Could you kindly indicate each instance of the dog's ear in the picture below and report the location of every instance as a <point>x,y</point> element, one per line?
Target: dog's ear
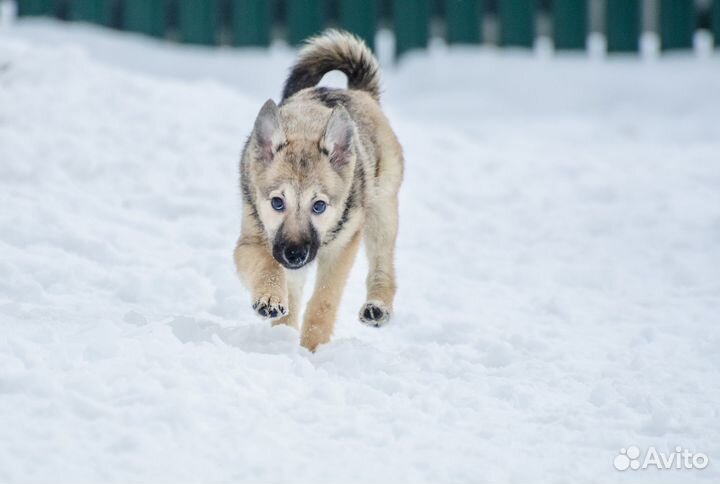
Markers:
<point>268,132</point>
<point>338,138</point>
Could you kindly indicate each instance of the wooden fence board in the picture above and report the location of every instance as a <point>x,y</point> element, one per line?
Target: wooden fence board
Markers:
<point>36,7</point>
<point>197,21</point>
<point>622,25</point>
<point>677,24</point>
<point>411,20</point>
<point>304,18</point>
<point>94,11</point>
<point>570,24</point>
<point>145,16</point>
<point>464,21</point>
<point>251,22</point>
<point>517,22</point>
<point>716,22</point>
<point>360,18</point>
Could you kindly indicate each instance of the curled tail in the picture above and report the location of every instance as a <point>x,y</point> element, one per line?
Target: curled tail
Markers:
<point>335,50</point>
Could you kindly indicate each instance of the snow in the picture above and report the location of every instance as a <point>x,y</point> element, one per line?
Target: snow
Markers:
<point>558,266</point>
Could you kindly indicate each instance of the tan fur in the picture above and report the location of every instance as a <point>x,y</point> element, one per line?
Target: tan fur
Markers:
<point>333,269</point>
<point>296,154</point>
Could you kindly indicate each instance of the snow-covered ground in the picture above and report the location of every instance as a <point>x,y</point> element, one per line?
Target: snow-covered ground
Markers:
<point>558,260</point>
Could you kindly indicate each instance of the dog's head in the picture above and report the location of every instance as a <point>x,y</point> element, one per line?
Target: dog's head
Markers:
<point>301,172</point>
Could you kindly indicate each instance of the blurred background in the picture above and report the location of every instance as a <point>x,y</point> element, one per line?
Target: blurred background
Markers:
<point>617,25</point>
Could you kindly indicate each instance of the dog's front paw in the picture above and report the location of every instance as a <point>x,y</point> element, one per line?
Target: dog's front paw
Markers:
<point>374,313</point>
<point>270,307</point>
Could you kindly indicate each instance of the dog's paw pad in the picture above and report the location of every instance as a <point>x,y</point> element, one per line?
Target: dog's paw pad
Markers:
<point>269,307</point>
<point>374,313</point>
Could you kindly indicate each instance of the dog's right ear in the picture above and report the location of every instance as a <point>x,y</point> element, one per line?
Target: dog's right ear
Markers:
<point>268,132</point>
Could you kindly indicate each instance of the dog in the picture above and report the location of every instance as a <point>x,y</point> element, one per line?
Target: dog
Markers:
<point>319,172</point>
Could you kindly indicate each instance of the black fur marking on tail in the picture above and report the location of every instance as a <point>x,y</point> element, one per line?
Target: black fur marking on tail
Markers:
<point>359,75</point>
<point>330,52</point>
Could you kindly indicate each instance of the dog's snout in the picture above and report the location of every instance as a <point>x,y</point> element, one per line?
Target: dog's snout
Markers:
<point>296,255</point>
<point>293,250</point>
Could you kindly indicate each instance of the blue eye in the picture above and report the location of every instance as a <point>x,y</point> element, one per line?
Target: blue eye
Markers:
<point>319,206</point>
<point>277,203</point>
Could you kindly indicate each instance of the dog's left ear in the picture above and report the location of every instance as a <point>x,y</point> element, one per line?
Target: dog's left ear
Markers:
<point>338,138</point>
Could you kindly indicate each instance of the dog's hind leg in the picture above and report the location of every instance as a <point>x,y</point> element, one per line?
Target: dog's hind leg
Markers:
<point>333,269</point>
<point>381,228</point>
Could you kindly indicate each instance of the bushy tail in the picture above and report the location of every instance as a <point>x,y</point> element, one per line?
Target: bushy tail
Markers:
<point>335,50</point>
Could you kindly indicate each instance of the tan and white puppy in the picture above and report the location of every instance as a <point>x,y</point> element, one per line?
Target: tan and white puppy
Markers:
<point>319,172</point>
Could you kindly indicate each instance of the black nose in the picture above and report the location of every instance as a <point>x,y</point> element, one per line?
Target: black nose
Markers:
<point>296,255</point>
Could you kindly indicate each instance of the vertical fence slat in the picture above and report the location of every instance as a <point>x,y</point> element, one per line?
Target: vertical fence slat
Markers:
<point>411,19</point>
<point>622,25</point>
<point>517,22</point>
<point>251,22</point>
<point>95,11</point>
<point>677,24</point>
<point>569,24</point>
<point>716,22</point>
<point>36,7</point>
<point>304,18</point>
<point>359,17</point>
<point>145,16</point>
<point>463,20</point>
<point>197,21</point>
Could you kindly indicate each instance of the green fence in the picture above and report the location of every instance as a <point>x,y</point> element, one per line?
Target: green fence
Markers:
<point>258,22</point>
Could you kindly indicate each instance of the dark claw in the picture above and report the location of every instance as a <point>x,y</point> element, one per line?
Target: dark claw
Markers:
<point>263,311</point>
<point>373,313</point>
<point>273,313</point>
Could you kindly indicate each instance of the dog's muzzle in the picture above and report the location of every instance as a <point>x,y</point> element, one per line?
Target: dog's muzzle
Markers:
<point>295,256</point>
